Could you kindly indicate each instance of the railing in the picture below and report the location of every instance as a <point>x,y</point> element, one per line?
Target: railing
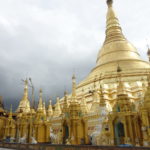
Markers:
<point>64,147</point>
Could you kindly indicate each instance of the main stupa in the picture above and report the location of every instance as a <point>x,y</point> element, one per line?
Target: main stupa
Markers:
<point>116,51</point>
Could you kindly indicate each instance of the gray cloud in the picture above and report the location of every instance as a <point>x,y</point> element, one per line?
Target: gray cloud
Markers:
<point>49,39</point>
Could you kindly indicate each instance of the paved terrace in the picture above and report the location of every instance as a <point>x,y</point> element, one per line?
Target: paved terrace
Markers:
<point>64,147</point>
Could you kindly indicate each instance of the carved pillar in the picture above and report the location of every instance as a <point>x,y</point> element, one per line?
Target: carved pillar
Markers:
<point>126,131</point>
<point>112,132</point>
<point>131,130</point>
<point>145,125</point>
<point>47,132</point>
<point>137,141</point>
<point>86,131</point>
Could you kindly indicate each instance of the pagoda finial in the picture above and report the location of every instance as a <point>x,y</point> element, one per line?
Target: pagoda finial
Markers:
<point>50,102</point>
<point>73,85</point>
<point>57,99</point>
<point>65,97</point>
<point>109,3</point>
<point>73,77</point>
<point>25,88</point>
<point>50,109</point>
<point>65,93</point>
<point>40,92</point>
<point>24,105</point>
<point>40,105</point>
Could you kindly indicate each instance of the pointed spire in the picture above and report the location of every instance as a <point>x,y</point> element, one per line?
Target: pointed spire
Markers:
<point>24,105</point>
<point>65,98</point>
<point>73,85</point>
<point>40,105</point>
<point>50,109</point>
<point>65,105</point>
<point>57,111</point>
<point>44,108</point>
<point>116,48</point>
<point>113,28</point>
<point>50,102</point>
<point>25,95</point>
<point>40,93</point>
<point>109,3</point>
<point>120,87</point>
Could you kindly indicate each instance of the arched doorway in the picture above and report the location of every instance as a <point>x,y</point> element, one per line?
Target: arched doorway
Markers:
<point>65,133</point>
<point>119,133</point>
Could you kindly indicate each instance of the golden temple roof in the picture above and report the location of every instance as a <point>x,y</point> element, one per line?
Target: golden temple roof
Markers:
<point>116,49</point>
<point>40,104</point>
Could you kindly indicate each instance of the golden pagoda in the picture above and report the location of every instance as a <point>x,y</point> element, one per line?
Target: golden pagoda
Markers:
<point>111,106</point>
<point>24,105</point>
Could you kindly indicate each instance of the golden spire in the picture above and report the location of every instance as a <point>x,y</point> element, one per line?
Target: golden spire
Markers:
<point>73,88</point>
<point>116,47</point>
<point>25,95</point>
<point>65,106</point>
<point>50,103</point>
<point>24,105</point>
<point>57,111</point>
<point>40,105</point>
<point>65,98</point>
<point>120,87</point>
<point>50,109</point>
<point>113,29</point>
<point>44,108</point>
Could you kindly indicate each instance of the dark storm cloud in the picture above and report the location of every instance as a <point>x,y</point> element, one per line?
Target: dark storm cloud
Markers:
<point>48,40</point>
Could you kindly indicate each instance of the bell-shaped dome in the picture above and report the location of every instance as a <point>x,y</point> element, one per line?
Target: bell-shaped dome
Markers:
<point>115,50</point>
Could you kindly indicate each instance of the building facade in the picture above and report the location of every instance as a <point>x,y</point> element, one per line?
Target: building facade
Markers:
<point>110,107</point>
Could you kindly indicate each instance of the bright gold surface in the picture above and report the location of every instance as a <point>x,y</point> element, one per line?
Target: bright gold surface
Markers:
<point>111,106</point>
<point>116,50</point>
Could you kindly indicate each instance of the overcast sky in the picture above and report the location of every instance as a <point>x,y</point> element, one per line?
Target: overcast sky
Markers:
<point>48,40</point>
